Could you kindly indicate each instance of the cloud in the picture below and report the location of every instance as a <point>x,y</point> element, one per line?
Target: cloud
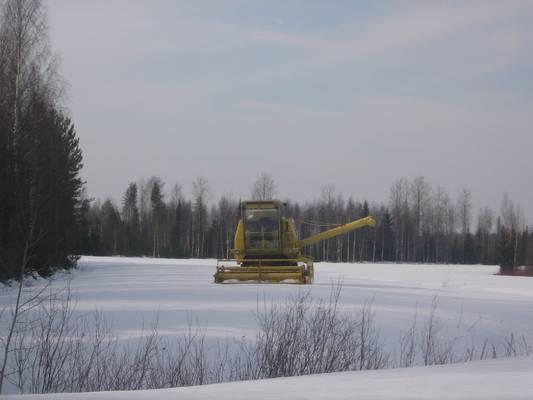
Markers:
<point>471,26</point>
<point>182,89</point>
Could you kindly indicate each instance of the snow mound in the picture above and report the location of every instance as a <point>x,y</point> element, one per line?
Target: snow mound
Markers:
<point>491,379</point>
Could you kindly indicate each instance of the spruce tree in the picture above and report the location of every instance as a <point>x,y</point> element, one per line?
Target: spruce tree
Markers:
<point>130,217</point>
<point>156,201</point>
<point>505,250</point>
<point>387,238</point>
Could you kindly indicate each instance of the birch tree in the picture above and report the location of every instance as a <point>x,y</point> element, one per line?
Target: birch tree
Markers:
<point>464,214</point>
<point>399,206</point>
<point>419,194</point>
<point>264,188</point>
<point>200,191</point>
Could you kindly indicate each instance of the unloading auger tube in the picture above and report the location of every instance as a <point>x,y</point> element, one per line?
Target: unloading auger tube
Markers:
<point>267,247</point>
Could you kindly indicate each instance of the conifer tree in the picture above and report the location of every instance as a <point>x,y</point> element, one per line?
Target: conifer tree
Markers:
<point>130,218</point>
<point>156,201</point>
<point>505,249</point>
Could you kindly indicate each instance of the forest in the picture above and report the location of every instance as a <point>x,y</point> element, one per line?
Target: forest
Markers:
<point>418,223</point>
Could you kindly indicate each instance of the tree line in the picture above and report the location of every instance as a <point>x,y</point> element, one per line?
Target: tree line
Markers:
<point>419,223</point>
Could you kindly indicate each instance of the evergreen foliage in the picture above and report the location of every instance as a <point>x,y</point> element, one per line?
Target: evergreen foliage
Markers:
<point>41,211</point>
<point>505,251</point>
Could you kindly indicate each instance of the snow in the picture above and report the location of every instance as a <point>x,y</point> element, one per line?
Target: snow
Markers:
<point>495,379</point>
<point>472,303</point>
<point>130,291</point>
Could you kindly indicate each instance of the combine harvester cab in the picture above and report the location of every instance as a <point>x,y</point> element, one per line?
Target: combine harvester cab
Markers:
<point>267,248</point>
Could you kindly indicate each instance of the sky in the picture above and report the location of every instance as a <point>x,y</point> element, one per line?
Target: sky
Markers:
<point>355,94</point>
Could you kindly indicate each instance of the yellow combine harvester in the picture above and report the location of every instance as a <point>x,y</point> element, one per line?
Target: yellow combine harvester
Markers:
<point>267,247</point>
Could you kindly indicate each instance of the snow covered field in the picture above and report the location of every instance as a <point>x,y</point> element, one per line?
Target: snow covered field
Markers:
<point>472,304</point>
<point>130,291</point>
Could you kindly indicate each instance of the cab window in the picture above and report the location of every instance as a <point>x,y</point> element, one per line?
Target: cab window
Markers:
<point>261,227</point>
